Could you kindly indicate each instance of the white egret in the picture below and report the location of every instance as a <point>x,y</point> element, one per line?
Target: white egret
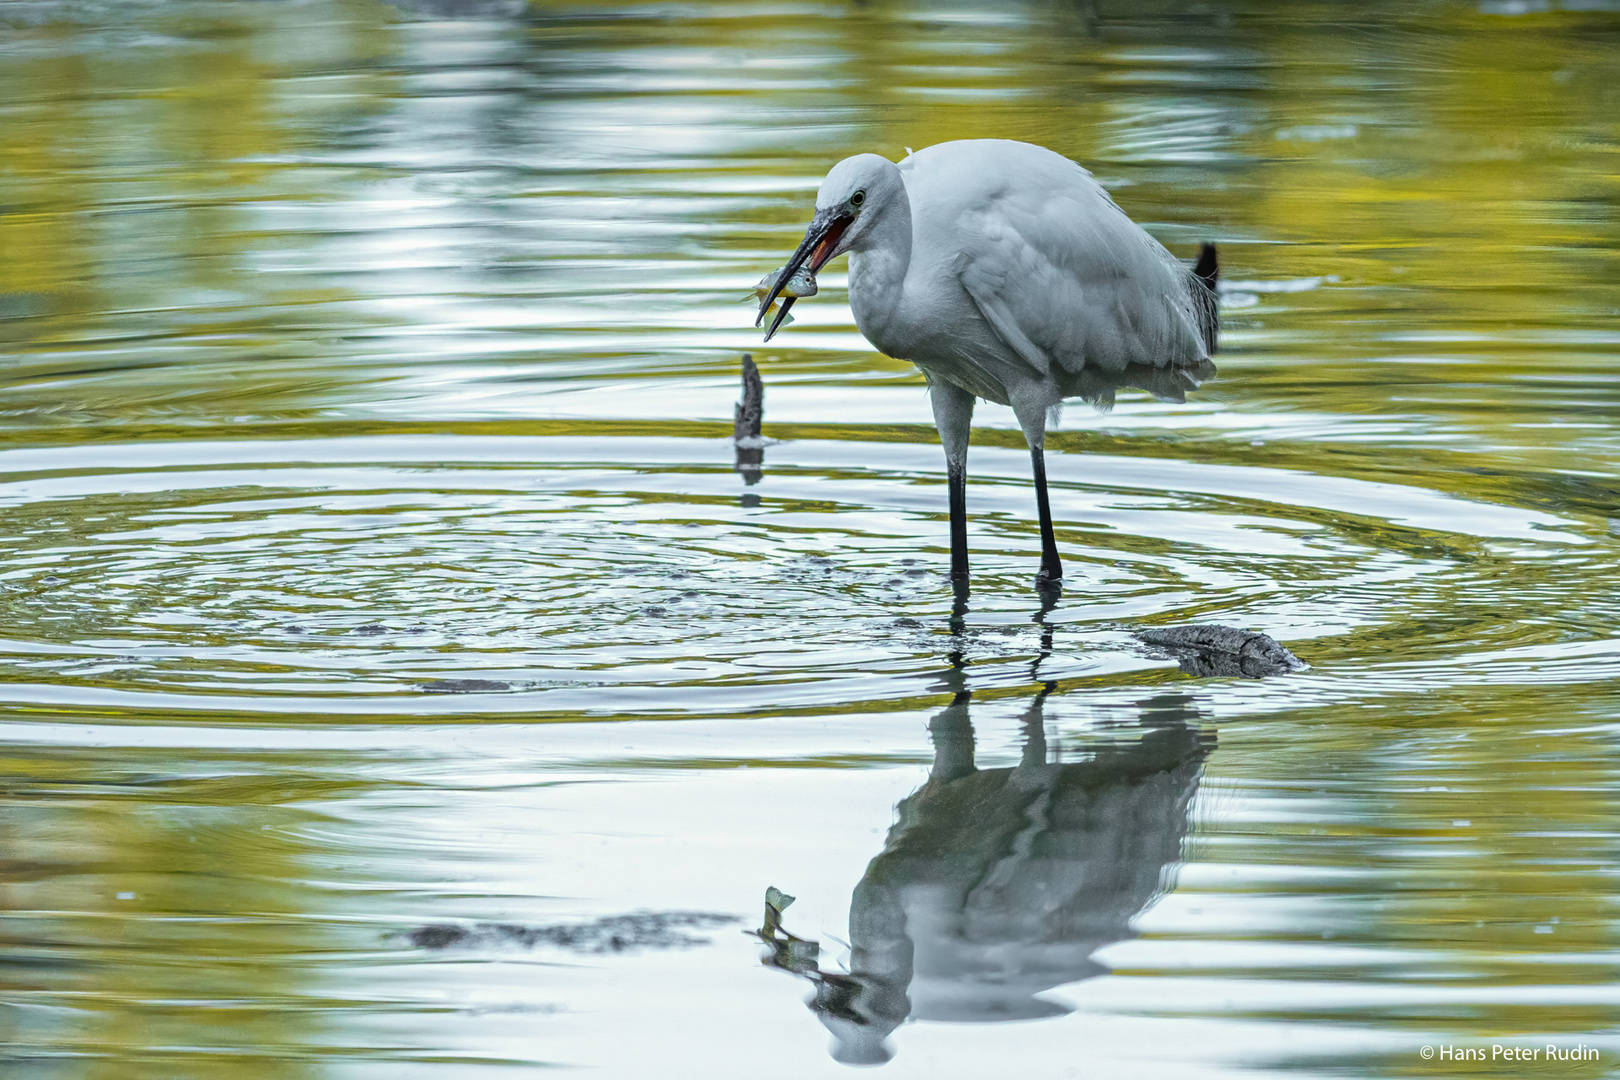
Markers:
<point>1004,271</point>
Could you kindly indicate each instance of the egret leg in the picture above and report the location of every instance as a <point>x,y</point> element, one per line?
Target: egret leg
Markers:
<point>1031,411</point>
<point>953,416</point>
<point>1051,565</point>
<point>956,473</point>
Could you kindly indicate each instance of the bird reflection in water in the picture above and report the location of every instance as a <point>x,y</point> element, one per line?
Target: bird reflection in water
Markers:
<point>995,885</point>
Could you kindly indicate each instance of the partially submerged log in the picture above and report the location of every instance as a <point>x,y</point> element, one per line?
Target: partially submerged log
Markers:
<point>1210,649</point>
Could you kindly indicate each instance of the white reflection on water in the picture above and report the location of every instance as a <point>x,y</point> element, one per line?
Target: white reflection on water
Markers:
<point>995,886</point>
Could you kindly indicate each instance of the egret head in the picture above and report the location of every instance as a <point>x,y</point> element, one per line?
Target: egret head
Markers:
<point>855,194</point>
<point>852,198</point>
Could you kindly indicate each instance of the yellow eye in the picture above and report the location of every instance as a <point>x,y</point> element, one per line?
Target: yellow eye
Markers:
<point>857,198</point>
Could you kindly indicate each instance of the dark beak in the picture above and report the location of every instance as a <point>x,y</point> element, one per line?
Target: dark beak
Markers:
<point>781,313</point>
<point>825,230</point>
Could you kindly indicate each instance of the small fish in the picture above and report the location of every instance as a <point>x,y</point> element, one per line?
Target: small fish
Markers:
<point>800,284</point>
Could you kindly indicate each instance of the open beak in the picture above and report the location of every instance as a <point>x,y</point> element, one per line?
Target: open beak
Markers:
<point>820,241</point>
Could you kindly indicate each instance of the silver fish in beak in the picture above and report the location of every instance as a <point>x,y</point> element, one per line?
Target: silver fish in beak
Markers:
<point>820,241</point>
<point>800,284</point>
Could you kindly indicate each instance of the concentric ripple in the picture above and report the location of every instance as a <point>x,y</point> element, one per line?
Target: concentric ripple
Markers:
<point>437,575</point>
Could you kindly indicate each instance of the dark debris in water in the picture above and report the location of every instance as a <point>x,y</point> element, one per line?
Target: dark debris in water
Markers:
<point>463,686</point>
<point>1209,649</point>
<point>615,933</point>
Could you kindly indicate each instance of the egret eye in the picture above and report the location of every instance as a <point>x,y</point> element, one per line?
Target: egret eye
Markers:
<point>857,198</point>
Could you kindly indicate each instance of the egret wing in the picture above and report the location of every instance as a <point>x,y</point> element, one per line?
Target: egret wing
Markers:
<point>1000,274</point>
<point>1068,281</point>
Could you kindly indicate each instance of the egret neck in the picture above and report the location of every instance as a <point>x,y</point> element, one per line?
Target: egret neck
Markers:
<point>879,259</point>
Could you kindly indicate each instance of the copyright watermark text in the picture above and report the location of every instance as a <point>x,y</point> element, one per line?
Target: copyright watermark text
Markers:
<point>1501,1053</point>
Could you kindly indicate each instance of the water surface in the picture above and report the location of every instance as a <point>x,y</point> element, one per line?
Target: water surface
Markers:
<point>375,558</point>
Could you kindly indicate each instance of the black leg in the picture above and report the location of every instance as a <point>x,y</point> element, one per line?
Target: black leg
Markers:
<point>1051,565</point>
<point>959,550</point>
<point>953,416</point>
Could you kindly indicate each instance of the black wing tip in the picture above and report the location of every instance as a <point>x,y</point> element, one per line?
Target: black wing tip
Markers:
<point>1208,267</point>
<point>1208,271</point>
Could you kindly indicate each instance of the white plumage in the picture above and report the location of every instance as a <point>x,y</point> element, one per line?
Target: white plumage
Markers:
<point>1004,271</point>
